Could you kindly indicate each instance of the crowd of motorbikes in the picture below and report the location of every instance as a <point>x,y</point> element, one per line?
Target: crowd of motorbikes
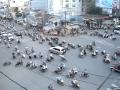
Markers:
<point>30,53</point>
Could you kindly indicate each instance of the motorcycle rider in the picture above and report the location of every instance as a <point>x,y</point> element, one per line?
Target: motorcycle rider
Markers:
<point>60,80</point>
<point>85,73</point>
<point>51,87</point>
<point>72,72</point>
<point>62,66</point>
<point>75,83</point>
<point>103,52</point>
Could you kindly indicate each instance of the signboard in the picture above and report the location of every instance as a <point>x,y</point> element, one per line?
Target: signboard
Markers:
<point>104,3</point>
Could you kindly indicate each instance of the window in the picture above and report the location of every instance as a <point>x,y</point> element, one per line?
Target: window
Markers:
<point>67,0</point>
<point>66,5</point>
<point>73,0</point>
<point>73,5</point>
<point>13,1</point>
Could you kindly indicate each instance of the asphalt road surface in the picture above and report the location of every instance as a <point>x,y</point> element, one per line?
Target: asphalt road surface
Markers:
<point>22,78</point>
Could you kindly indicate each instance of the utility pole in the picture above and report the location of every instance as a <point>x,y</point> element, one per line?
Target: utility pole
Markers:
<point>65,17</point>
<point>29,6</point>
<point>8,9</point>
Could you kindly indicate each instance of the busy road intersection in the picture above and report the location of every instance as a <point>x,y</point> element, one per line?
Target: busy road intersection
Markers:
<point>16,54</point>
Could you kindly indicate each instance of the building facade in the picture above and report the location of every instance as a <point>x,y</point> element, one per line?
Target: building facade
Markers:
<point>39,4</point>
<point>116,11</point>
<point>11,5</point>
<point>71,6</point>
<point>86,5</point>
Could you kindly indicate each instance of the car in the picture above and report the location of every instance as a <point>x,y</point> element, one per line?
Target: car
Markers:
<point>10,37</point>
<point>116,30</point>
<point>57,50</point>
<point>18,33</point>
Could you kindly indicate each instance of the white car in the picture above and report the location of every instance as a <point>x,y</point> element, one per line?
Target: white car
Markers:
<point>57,50</point>
<point>10,37</point>
<point>117,29</point>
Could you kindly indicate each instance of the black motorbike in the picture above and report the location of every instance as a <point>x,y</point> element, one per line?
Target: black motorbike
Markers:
<point>58,70</point>
<point>6,63</point>
<point>19,63</point>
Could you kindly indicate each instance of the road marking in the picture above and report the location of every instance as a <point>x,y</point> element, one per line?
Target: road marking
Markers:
<point>13,81</point>
<point>100,86</point>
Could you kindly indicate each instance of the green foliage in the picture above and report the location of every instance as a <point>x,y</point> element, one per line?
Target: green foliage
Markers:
<point>105,13</point>
<point>94,10</point>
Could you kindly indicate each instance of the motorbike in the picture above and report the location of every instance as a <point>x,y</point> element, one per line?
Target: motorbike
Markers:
<point>43,68</point>
<point>107,58</point>
<point>60,81</point>
<point>51,87</point>
<point>78,45</point>
<point>81,54</point>
<point>8,46</point>
<point>13,55</point>
<point>72,73</point>
<point>114,57</point>
<point>34,55</point>
<point>75,84</point>
<point>58,70</point>
<point>30,57</point>
<point>71,45</point>
<point>29,64</point>
<point>6,63</point>
<point>19,63</point>
<point>40,55</point>
<point>18,41</point>
<point>23,55</point>
<point>115,67</point>
<point>62,57</point>
<point>18,52</point>
<point>33,66</point>
<point>103,52</point>
<point>94,54</point>
<point>50,58</point>
<point>84,74</point>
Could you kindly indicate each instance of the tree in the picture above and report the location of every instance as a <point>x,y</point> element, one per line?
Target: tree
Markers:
<point>94,10</point>
<point>105,13</point>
